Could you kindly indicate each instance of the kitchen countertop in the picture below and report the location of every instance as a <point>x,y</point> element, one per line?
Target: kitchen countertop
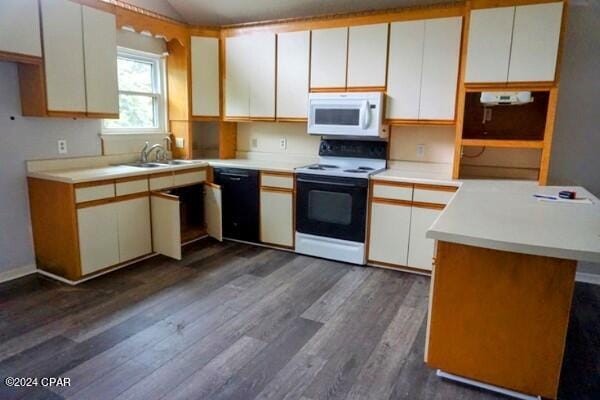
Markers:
<point>78,175</point>
<point>504,215</point>
<point>264,165</point>
<point>418,172</point>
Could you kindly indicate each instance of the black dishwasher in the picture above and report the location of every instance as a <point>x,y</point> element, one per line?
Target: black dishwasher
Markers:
<point>240,197</point>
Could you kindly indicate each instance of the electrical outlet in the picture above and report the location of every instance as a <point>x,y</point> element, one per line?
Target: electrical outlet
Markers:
<point>420,150</point>
<point>179,143</point>
<point>283,143</point>
<point>62,146</point>
<point>254,143</point>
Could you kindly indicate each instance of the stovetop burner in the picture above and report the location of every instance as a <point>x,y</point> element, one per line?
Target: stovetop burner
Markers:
<point>322,166</point>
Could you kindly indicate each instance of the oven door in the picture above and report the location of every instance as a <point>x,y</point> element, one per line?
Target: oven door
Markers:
<point>341,117</point>
<point>334,207</point>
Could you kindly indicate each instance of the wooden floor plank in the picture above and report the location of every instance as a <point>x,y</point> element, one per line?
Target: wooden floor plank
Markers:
<point>257,373</point>
<point>207,380</point>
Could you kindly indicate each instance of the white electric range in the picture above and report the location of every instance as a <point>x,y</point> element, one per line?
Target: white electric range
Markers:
<point>332,197</point>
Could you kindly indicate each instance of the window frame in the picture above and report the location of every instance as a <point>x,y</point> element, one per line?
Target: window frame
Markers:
<point>159,92</point>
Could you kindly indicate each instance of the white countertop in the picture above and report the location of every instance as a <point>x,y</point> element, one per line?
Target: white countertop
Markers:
<point>418,172</point>
<point>78,175</point>
<point>504,215</point>
<point>265,165</point>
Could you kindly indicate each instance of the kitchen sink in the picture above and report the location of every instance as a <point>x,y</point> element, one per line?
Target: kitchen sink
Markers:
<point>144,165</point>
<point>175,162</point>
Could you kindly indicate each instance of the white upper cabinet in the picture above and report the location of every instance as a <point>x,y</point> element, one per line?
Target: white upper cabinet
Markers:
<point>292,74</point>
<point>237,76</point>
<point>20,27</point>
<point>534,49</point>
<point>100,52</point>
<point>488,51</point>
<point>441,55</point>
<point>367,55</point>
<point>250,76</point>
<point>328,58</point>
<point>63,55</point>
<point>405,67</point>
<point>262,81</point>
<point>205,76</point>
<point>514,44</point>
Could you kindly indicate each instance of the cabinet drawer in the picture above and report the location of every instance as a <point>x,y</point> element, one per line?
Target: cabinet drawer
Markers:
<point>161,181</point>
<point>278,181</point>
<point>188,178</point>
<point>439,195</point>
<point>131,186</point>
<point>97,192</point>
<point>395,192</point>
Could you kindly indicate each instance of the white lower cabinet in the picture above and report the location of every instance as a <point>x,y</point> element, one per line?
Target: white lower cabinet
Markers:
<point>277,217</point>
<point>98,239</point>
<point>389,233</point>
<point>421,249</point>
<point>176,218</point>
<point>113,233</point>
<point>135,234</point>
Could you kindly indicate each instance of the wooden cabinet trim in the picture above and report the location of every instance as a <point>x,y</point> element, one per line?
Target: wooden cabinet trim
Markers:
<point>93,183</point>
<point>327,89</point>
<point>20,58</point>
<point>277,173</point>
<point>276,189</point>
<point>290,119</point>
<point>160,174</point>
<point>412,122</point>
<point>433,206</point>
<point>131,178</point>
<point>381,200</point>
<point>397,267</point>
<point>443,188</point>
<point>164,195</point>
<point>365,88</point>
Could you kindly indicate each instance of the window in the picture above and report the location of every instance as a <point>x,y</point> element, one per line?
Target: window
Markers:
<point>141,94</point>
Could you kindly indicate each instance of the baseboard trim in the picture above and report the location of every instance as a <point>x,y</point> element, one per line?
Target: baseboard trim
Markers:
<point>18,272</point>
<point>586,277</point>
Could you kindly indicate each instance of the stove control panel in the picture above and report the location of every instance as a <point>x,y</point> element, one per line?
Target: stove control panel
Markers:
<point>353,148</point>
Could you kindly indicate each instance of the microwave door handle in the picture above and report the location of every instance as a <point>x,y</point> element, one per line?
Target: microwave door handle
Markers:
<point>366,115</point>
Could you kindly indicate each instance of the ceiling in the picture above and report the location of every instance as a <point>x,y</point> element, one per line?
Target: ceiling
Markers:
<point>226,12</point>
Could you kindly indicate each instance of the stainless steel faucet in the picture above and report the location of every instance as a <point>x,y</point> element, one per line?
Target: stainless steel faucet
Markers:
<point>146,151</point>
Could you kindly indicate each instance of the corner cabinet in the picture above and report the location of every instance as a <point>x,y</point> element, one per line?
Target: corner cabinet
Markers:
<point>20,29</point>
<point>79,74</point>
<point>400,215</point>
<point>514,44</point>
<point>277,197</point>
<point>422,70</point>
<point>109,223</point>
<point>250,77</point>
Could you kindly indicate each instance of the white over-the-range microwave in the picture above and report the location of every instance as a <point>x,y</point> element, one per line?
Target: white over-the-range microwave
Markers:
<point>346,114</point>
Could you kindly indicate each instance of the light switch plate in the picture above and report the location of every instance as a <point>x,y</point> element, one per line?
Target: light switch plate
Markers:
<point>283,143</point>
<point>179,142</point>
<point>420,150</point>
<point>62,146</point>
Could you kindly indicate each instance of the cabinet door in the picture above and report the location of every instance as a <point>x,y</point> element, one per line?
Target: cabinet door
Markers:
<point>367,55</point>
<point>420,252</point>
<point>441,54</point>
<point>262,80</point>
<point>536,34</point>
<point>135,234</point>
<point>237,71</point>
<point>488,51</point>
<point>213,211</point>
<point>20,27</point>
<point>328,58</point>
<point>98,237</point>
<point>293,60</point>
<point>405,69</point>
<point>63,55</point>
<point>166,224</point>
<point>205,76</point>
<point>100,49</point>
<point>277,217</point>
<point>389,231</point>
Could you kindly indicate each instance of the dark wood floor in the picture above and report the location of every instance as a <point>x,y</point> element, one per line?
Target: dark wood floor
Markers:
<point>232,321</point>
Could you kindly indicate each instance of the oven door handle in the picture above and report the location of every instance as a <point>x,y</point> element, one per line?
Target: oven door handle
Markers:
<point>328,183</point>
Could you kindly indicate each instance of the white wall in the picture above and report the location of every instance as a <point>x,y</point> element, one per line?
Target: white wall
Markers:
<point>438,141</point>
<point>266,136</point>
<point>576,145</point>
<point>23,139</point>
